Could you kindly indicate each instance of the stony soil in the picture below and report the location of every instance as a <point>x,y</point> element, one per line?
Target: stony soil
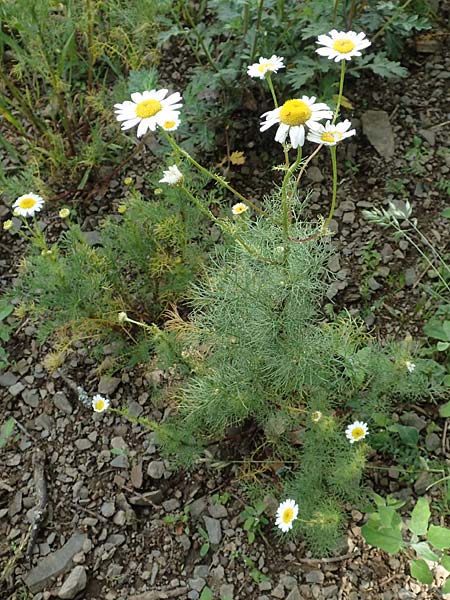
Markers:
<point>104,536</point>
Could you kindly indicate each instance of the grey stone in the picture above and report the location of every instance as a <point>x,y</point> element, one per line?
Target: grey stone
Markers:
<point>7,379</point>
<point>315,577</point>
<point>214,530</point>
<point>330,590</point>
<point>62,403</point>
<point>156,469</point>
<point>116,539</point>
<point>288,581</point>
<point>265,586</point>
<point>135,409</point>
<point>278,592</point>
<point>410,276</point>
<point>119,442</point>
<point>120,462</point>
<point>294,594</point>
<point>432,441</point>
<point>83,444</point>
<point>108,385</point>
<point>201,571</point>
<point>154,595</point>
<point>31,397</point>
<point>54,564</point>
<point>44,421</point>
<point>218,511</point>
<point>198,507</point>
<point>315,175</point>
<point>171,505</point>
<point>378,130</point>
<point>333,263</point>
<point>76,582</point>
<point>198,583</point>
<point>413,420</point>
<point>422,482</point>
<point>227,591</point>
<point>16,389</point>
<point>108,509</point>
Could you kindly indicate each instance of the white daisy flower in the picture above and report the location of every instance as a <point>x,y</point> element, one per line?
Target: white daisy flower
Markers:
<point>100,403</point>
<point>330,134</point>
<point>410,366</point>
<point>122,317</point>
<point>316,416</point>
<point>341,45</point>
<point>287,513</point>
<point>171,124</point>
<point>27,205</point>
<point>172,176</point>
<point>239,208</point>
<point>356,431</point>
<point>265,65</point>
<point>148,110</point>
<point>294,116</point>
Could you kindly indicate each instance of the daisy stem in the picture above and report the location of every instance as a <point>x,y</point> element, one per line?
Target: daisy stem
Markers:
<point>271,88</point>
<point>223,227</point>
<point>285,202</point>
<point>341,87</point>
<point>333,199</point>
<point>217,178</point>
<point>257,28</point>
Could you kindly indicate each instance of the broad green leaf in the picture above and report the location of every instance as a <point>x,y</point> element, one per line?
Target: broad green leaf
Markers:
<point>424,551</point>
<point>5,310</point>
<point>446,213</point>
<point>421,571</point>
<point>446,587</point>
<point>386,515</point>
<point>435,330</point>
<point>408,435</point>
<point>445,562</point>
<point>444,411</point>
<point>6,431</point>
<point>439,537</point>
<point>442,346</point>
<point>206,594</point>
<point>420,517</point>
<point>389,540</point>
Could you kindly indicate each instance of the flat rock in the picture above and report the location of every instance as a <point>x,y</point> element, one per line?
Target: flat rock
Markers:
<point>108,385</point>
<point>62,403</point>
<point>31,397</point>
<point>156,469</point>
<point>54,564</point>
<point>294,594</point>
<point>7,379</point>
<point>154,595</point>
<point>16,388</point>
<point>378,130</point>
<point>214,530</point>
<point>76,582</point>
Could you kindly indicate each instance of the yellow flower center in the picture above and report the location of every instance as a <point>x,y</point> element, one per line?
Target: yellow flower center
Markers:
<point>357,433</point>
<point>327,137</point>
<point>295,112</point>
<point>262,68</point>
<point>343,46</point>
<point>100,404</point>
<point>169,124</point>
<point>240,208</point>
<point>288,515</point>
<point>27,203</point>
<point>148,108</point>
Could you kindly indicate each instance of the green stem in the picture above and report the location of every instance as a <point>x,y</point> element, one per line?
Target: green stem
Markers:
<point>258,25</point>
<point>341,87</point>
<point>285,201</point>
<point>430,245</point>
<point>389,21</point>
<point>222,226</point>
<point>217,178</point>
<point>90,35</point>
<point>199,37</point>
<point>424,256</point>
<point>333,199</point>
<point>271,88</point>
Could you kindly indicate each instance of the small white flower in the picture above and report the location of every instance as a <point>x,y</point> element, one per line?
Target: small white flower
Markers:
<point>122,317</point>
<point>356,431</point>
<point>342,45</point>
<point>287,513</point>
<point>239,208</point>
<point>330,134</point>
<point>172,176</point>
<point>100,403</point>
<point>410,366</point>
<point>7,225</point>
<point>265,65</point>
<point>27,205</point>
<point>148,110</point>
<point>316,416</point>
<point>294,116</point>
<point>64,213</point>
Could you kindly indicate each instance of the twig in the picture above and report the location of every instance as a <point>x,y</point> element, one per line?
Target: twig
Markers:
<point>17,553</point>
<point>89,512</point>
<point>40,486</point>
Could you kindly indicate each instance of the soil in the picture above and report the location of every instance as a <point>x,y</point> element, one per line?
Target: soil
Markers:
<point>105,479</point>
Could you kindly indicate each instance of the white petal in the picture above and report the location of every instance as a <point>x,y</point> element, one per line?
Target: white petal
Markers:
<point>324,51</point>
<point>325,40</point>
<point>160,94</point>
<point>142,128</point>
<point>297,136</point>
<point>137,97</point>
<point>130,123</point>
<point>281,133</point>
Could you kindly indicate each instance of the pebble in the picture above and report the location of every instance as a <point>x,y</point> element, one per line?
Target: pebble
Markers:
<point>108,509</point>
<point>76,582</point>
<point>62,403</point>
<point>315,577</point>
<point>108,385</point>
<point>156,469</point>
<point>294,594</point>
<point>198,583</point>
<point>214,530</point>
<point>432,442</point>
<point>16,389</point>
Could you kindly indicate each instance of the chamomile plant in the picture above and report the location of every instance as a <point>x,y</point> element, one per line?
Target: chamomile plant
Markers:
<point>264,360</point>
